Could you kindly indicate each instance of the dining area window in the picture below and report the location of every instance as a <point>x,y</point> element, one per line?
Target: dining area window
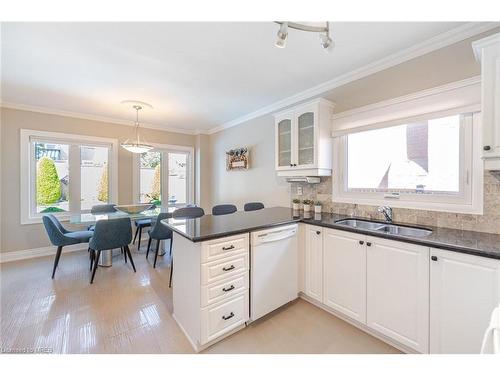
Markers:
<point>65,173</point>
<point>164,176</point>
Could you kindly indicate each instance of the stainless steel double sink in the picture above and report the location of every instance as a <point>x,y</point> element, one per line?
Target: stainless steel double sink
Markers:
<point>385,228</point>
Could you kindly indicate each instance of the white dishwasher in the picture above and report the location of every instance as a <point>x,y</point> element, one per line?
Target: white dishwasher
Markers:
<point>273,280</point>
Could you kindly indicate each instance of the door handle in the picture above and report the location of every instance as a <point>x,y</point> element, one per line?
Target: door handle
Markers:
<point>228,316</point>
<point>228,268</point>
<point>228,247</point>
<point>228,289</point>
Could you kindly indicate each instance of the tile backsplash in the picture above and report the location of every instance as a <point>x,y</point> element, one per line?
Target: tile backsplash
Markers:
<point>488,222</point>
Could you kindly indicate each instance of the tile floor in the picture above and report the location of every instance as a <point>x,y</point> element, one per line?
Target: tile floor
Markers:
<point>123,312</point>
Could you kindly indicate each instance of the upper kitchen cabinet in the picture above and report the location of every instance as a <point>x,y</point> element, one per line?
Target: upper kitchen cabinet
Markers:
<point>303,140</point>
<point>487,51</point>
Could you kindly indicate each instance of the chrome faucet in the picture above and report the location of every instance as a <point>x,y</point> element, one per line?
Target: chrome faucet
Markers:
<point>387,211</point>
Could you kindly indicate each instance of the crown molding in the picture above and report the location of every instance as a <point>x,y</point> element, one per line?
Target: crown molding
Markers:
<point>440,41</point>
<point>86,116</point>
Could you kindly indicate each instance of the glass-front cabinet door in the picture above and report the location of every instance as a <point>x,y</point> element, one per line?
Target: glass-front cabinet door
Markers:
<point>284,142</point>
<point>305,137</point>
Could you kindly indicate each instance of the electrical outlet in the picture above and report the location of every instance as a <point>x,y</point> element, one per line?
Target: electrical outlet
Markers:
<point>299,190</point>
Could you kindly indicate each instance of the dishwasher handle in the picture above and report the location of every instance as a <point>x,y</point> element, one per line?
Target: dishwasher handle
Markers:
<point>278,236</point>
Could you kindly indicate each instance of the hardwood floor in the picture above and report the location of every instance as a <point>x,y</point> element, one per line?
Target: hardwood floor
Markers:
<point>127,312</point>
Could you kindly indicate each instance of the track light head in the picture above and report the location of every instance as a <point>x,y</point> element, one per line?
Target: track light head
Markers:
<point>282,35</point>
<point>326,42</point>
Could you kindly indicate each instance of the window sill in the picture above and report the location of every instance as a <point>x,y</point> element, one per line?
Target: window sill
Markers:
<point>423,206</point>
<point>38,219</point>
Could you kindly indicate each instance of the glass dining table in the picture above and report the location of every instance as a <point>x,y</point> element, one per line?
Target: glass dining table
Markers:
<point>90,219</point>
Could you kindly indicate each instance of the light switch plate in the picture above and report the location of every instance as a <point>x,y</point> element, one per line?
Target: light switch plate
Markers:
<point>299,190</point>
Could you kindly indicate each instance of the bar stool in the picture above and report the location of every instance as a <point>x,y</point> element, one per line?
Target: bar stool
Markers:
<point>224,209</point>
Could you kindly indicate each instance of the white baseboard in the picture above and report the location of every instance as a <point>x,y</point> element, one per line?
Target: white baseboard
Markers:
<point>11,256</point>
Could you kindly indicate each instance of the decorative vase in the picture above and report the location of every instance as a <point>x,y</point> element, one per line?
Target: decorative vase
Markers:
<point>317,209</point>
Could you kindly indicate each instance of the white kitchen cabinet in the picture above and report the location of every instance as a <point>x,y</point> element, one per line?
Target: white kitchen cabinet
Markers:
<point>314,262</point>
<point>344,273</point>
<point>487,50</point>
<point>398,291</point>
<point>464,291</point>
<point>303,144</point>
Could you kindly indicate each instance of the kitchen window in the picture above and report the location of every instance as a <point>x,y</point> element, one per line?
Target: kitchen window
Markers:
<point>65,174</point>
<point>431,163</point>
<point>164,176</point>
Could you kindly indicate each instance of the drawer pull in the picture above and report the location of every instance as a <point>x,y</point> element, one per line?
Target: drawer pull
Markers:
<point>228,268</point>
<point>228,248</point>
<point>228,289</point>
<point>228,317</point>
<point>361,242</point>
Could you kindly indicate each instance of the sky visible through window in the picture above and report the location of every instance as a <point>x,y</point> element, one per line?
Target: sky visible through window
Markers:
<point>419,157</point>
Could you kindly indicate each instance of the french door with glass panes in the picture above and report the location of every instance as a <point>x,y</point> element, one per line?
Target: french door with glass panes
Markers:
<point>296,138</point>
<point>165,177</point>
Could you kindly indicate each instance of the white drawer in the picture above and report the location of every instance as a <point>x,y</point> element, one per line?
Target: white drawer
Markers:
<point>224,269</point>
<point>216,293</point>
<point>223,317</point>
<point>225,247</point>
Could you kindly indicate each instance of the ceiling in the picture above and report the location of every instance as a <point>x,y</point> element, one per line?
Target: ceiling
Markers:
<point>198,76</point>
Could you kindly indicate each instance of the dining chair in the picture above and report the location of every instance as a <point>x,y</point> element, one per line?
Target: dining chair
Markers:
<point>224,209</point>
<point>139,225</point>
<point>184,213</point>
<point>159,232</point>
<point>60,236</point>
<point>253,206</point>
<point>188,213</point>
<point>109,235</point>
<point>101,209</point>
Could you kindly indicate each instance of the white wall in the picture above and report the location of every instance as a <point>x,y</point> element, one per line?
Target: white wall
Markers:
<point>259,183</point>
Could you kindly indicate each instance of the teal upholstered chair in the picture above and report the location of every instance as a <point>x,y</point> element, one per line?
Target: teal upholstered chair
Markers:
<point>253,206</point>
<point>60,236</point>
<point>109,235</point>
<point>159,232</point>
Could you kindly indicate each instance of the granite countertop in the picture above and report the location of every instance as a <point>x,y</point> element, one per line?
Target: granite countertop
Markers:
<point>211,227</point>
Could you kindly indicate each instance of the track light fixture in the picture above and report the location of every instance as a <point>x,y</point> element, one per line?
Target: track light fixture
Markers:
<point>324,33</point>
<point>282,35</point>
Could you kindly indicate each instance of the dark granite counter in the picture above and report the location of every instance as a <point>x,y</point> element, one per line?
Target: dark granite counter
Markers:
<point>211,227</point>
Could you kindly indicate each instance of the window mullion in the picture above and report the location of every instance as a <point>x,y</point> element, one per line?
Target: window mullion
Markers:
<point>74,178</point>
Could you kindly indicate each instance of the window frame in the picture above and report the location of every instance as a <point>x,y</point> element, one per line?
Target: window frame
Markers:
<point>165,149</point>
<point>28,138</point>
<point>470,198</point>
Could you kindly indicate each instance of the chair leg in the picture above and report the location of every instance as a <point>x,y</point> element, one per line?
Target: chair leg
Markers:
<point>56,261</point>
<point>171,272</point>
<point>157,251</point>
<point>127,250</point>
<point>124,254</point>
<point>92,255</point>
<point>135,236</point>
<point>149,245</point>
<point>96,261</point>
<point>139,243</point>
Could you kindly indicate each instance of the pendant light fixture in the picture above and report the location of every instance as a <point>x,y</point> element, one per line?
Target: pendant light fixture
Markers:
<point>324,33</point>
<point>135,145</point>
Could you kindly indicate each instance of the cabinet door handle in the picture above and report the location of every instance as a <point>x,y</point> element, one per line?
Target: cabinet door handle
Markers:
<point>228,268</point>
<point>361,242</point>
<point>228,289</point>
<point>434,258</point>
<point>368,244</point>
<point>318,232</point>
<point>228,247</point>
<point>486,148</point>
<point>291,165</point>
<point>228,316</point>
